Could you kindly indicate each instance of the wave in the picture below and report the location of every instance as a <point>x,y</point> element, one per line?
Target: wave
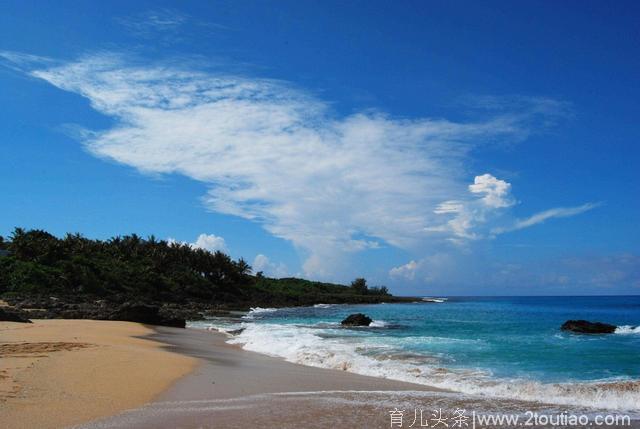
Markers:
<point>627,329</point>
<point>304,346</point>
<point>378,324</point>
<point>323,305</point>
<point>438,300</point>
<point>222,325</point>
<point>258,310</point>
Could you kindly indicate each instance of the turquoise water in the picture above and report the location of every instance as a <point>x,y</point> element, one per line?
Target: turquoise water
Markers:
<point>502,347</point>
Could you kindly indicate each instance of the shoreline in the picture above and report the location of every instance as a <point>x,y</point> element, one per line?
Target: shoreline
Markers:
<point>276,374</point>
<point>88,373</point>
<point>233,388</point>
<point>120,375</point>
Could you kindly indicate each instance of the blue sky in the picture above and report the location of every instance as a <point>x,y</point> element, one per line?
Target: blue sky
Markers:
<point>435,147</point>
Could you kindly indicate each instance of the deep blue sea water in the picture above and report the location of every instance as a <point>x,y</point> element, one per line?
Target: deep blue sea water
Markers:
<point>503,347</point>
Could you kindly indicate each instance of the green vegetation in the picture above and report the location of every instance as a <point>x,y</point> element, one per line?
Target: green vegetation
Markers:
<point>36,263</point>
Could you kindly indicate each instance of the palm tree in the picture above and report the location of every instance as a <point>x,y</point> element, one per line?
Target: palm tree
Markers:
<point>243,267</point>
<point>359,286</point>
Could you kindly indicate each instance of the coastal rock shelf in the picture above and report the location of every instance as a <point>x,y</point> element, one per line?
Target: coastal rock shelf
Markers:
<point>13,316</point>
<point>149,314</point>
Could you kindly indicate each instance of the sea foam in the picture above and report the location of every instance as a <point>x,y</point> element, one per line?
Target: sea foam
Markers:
<point>258,310</point>
<point>627,329</point>
<point>323,305</point>
<point>303,345</point>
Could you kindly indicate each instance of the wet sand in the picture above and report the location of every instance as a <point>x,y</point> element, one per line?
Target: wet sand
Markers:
<point>95,374</point>
<point>233,388</point>
<point>236,388</point>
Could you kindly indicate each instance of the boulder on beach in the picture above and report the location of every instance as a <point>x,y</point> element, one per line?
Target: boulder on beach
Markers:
<point>145,313</point>
<point>586,327</point>
<point>12,315</point>
<point>357,319</point>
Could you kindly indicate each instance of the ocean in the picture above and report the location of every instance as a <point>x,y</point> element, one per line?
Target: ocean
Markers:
<point>497,347</point>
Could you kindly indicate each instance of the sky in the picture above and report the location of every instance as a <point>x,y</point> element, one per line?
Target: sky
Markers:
<point>437,148</point>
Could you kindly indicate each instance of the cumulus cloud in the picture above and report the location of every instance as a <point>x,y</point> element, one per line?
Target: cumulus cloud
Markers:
<point>487,196</point>
<point>275,154</point>
<point>495,192</point>
<point>271,269</point>
<point>406,271</point>
<point>209,242</point>
<point>537,218</point>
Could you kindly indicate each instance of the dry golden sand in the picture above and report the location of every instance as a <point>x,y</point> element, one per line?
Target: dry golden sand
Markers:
<point>57,373</point>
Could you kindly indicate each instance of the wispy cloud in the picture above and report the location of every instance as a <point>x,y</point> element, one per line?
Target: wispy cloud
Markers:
<point>275,154</point>
<point>558,212</point>
<point>19,61</point>
<point>589,274</point>
<point>166,25</point>
<point>152,22</point>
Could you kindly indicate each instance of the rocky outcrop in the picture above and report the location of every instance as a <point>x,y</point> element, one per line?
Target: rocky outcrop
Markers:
<point>586,327</point>
<point>357,319</point>
<point>69,307</point>
<point>145,313</point>
<point>12,315</point>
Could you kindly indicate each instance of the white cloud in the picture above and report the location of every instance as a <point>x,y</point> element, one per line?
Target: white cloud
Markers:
<point>496,191</point>
<point>589,274</point>
<point>441,273</point>
<point>277,155</point>
<point>153,23</point>
<point>209,242</point>
<point>260,263</point>
<point>436,268</point>
<point>271,269</point>
<point>488,196</point>
<point>407,271</point>
<point>537,218</point>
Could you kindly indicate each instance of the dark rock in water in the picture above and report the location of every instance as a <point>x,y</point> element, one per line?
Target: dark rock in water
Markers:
<point>236,332</point>
<point>586,327</point>
<point>357,319</point>
<point>10,315</point>
<point>145,313</point>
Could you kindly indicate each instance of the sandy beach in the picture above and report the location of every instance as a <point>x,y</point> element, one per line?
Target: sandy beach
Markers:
<point>97,374</point>
<point>68,373</point>
<point>235,388</point>
<point>58,373</point>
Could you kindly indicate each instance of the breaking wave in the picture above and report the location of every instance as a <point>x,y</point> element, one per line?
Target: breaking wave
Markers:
<point>304,345</point>
<point>627,329</point>
<point>258,310</point>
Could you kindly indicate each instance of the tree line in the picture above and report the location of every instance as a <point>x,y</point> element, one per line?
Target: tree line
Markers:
<point>37,262</point>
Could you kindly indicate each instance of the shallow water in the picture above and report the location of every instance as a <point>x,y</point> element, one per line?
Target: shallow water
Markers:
<point>510,348</point>
<point>331,409</point>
